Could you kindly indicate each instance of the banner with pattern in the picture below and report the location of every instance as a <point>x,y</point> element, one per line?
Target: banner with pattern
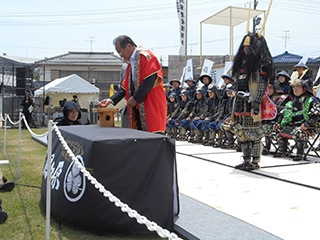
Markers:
<point>182,14</point>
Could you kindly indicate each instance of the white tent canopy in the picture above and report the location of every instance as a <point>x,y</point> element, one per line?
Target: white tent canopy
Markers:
<point>66,87</point>
<point>230,16</point>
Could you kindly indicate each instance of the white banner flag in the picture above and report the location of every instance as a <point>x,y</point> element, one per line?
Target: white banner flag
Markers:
<point>226,70</point>
<point>206,68</point>
<point>182,14</point>
<point>188,75</point>
<point>182,76</point>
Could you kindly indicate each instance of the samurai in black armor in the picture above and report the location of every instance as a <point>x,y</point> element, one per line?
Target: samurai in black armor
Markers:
<point>253,68</point>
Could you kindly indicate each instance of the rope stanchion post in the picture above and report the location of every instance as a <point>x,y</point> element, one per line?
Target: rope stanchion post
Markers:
<point>19,143</point>
<point>48,195</point>
<point>5,133</point>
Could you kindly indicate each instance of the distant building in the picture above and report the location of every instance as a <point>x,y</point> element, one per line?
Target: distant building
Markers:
<point>99,68</point>
<point>286,62</point>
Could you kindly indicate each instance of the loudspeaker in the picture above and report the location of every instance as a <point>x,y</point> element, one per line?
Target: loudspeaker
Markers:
<point>20,80</point>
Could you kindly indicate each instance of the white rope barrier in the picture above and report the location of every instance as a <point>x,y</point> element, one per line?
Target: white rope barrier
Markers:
<point>39,135</point>
<point>25,123</point>
<point>30,130</point>
<point>151,226</point>
<point>13,123</point>
<point>1,117</point>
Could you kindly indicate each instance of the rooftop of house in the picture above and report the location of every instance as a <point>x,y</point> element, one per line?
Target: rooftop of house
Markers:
<point>20,60</point>
<point>83,58</point>
<point>291,58</point>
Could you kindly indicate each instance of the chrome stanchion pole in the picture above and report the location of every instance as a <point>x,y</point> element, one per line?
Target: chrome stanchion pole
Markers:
<point>19,142</point>
<point>5,133</point>
<point>48,198</point>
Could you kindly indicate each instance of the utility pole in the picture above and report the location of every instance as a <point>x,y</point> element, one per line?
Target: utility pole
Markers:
<point>286,38</point>
<point>91,41</point>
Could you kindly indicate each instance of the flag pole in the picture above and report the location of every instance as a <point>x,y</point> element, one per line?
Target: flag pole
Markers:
<point>186,33</point>
<point>265,20</point>
<point>248,20</point>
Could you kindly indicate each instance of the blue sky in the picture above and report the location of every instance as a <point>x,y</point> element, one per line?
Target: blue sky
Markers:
<point>47,28</point>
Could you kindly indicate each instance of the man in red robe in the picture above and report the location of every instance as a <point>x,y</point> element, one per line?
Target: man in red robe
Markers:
<point>142,87</point>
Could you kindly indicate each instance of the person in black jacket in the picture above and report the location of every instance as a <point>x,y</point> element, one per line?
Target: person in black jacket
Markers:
<point>175,83</point>
<point>182,121</point>
<point>28,107</point>
<point>173,113</point>
<point>197,116</point>
<point>283,83</point>
<point>212,105</point>
<point>71,115</point>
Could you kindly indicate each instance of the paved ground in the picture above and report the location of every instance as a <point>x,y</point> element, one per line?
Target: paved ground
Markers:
<point>280,198</point>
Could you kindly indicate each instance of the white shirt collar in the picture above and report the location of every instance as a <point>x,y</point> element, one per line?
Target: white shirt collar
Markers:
<point>133,56</point>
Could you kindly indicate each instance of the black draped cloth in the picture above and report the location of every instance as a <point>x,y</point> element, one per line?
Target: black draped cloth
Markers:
<point>137,167</point>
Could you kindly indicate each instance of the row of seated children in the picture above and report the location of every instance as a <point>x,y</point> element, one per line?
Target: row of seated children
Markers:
<point>205,118</point>
<point>198,117</point>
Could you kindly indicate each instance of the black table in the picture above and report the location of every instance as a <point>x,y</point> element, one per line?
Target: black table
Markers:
<point>137,167</point>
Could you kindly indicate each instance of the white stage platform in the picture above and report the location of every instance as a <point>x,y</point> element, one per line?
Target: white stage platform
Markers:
<point>281,198</point>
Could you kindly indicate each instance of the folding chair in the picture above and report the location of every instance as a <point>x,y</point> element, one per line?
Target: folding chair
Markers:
<point>311,142</point>
<point>294,134</point>
<point>309,137</point>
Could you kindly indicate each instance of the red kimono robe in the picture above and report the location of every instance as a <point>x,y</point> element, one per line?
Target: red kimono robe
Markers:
<point>153,108</point>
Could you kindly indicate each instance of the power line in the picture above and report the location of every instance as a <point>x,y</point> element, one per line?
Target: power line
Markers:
<point>294,6</point>
<point>83,13</point>
<point>150,12</point>
<point>134,14</point>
